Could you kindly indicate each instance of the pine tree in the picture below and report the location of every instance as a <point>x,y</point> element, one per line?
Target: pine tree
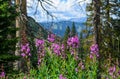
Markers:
<point>73,30</point>
<point>81,50</point>
<point>66,36</point>
<point>67,33</point>
<point>109,43</point>
<point>116,25</point>
<point>106,32</point>
<point>7,33</point>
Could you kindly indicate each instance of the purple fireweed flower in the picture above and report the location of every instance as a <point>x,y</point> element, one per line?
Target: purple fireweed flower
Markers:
<point>25,49</point>
<point>73,42</point>
<point>61,76</point>
<point>81,65</point>
<point>112,70</point>
<point>69,42</point>
<point>63,51</point>
<point>72,52</point>
<point>119,72</point>
<point>62,47</point>
<point>41,52</point>
<point>24,77</point>
<point>94,50</point>
<point>91,56</point>
<point>39,61</point>
<point>56,48</point>
<point>2,74</point>
<point>39,43</point>
<point>76,57</point>
<point>51,38</point>
<point>76,69</point>
<point>29,54</point>
<point>107,78</point>
<point>41,55</point>
<point>23,54</point>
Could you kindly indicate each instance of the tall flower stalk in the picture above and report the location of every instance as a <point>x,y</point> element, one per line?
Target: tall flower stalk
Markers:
<point>25,53</point>
<point>2,73</point>
<point>40,50</point>
<point>73,43</point>
<point>51,38</point>
<point>94,51</point>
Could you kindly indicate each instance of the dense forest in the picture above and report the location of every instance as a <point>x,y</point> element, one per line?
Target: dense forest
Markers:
<point>30,51</point>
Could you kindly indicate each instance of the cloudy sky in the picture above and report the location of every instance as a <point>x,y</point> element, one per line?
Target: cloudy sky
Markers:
<point>61,9</point>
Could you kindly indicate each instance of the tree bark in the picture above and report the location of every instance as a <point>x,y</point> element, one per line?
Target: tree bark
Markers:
<point>96,20</point>
<point>96,24</point>
<point>21,23</point>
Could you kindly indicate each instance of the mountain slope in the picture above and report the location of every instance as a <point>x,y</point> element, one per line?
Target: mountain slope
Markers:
<point>35,30</point>
<point>60,27</point>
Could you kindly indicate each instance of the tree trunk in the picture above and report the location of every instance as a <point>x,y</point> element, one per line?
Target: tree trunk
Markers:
<point>21,23</point>
<point>96,20</point>
<point>96,24</point>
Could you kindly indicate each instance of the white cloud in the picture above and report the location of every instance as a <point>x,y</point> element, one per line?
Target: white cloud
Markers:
<point>65,9</point>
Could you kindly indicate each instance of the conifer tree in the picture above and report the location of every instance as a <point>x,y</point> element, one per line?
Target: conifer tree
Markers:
<point>67,33</point>
<point>109,31</point>
<point>81,50</point>
<point>73,30</point>
<point>66,36</point>
<point>7,32</point>
<point>106,32</point>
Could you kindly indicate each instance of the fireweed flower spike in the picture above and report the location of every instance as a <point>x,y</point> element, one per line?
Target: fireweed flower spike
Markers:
<point>2,75</point>
<point>23,54</point>
<point>63,51</point>
<point>25,49</point>
<point>62,47</point>
<point>73,42</point>
<point>94,50</point>
<point>56,48</point>
<point>39,44</point>
<point>61,76</point>
<point>81,65</point>
<point>76,69</point>
<point>112,70</point>
<point>119,72</point>
<point>51,38</point>
<point>40,47</point>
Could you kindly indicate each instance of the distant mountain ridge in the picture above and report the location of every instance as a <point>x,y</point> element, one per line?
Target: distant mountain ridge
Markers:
<point>36,30</point>
<point>79,20</point>
<point>59,27</point>
<point>42,29</point>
